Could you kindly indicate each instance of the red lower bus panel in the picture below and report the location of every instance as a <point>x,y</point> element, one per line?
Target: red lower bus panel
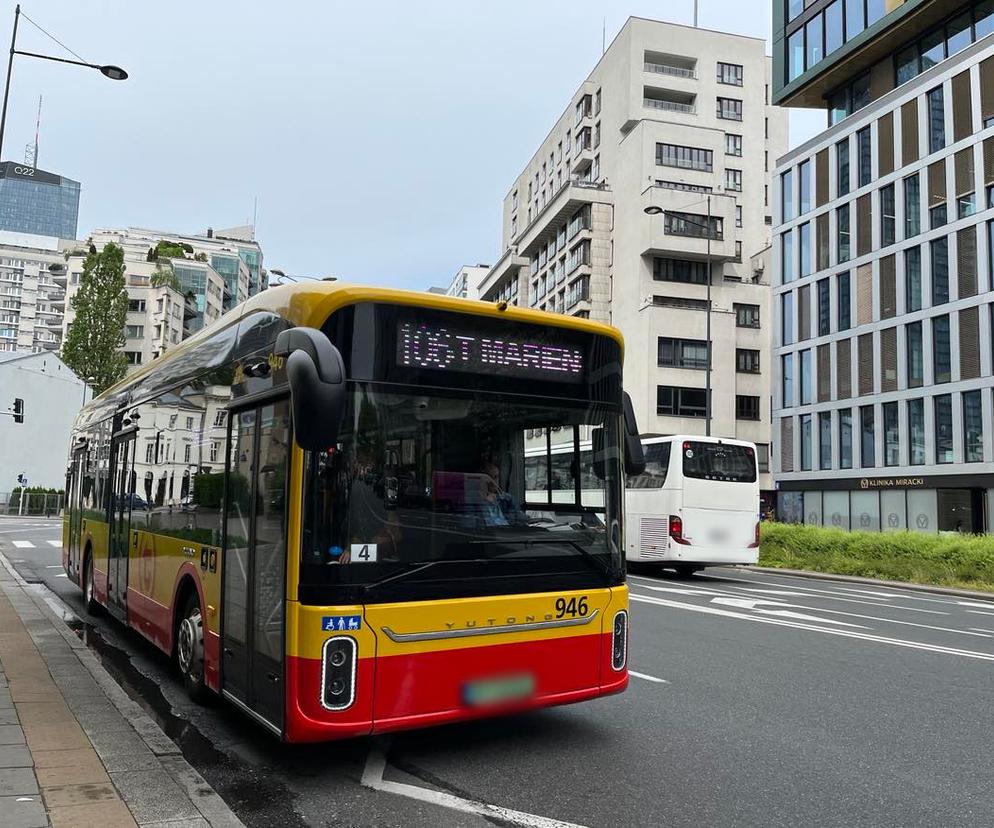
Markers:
<point>427,688</point>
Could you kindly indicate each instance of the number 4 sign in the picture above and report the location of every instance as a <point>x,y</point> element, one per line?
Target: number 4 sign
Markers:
<point>363,553</point>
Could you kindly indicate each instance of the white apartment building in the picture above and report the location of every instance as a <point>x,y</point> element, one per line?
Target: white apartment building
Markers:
<point>466,283</point>
<point>675,121</point>
<point>32,291</point>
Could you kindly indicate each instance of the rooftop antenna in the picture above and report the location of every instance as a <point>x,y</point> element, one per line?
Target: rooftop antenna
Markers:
<point>255,213</point>
<point>604,36</point>
<point>695,14</point>
<point>31,150</point>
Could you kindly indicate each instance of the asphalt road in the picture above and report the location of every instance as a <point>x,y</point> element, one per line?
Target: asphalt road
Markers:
<point>762,700</point>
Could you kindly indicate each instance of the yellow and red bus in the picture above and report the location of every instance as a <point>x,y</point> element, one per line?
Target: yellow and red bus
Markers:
<point>318,506</point>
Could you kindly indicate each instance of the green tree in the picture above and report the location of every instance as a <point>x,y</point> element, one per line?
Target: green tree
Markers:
<point>165,275</point>
<point>92,346</point>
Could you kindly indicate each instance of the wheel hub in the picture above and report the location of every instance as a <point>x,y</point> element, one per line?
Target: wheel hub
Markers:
<point>190,642</point>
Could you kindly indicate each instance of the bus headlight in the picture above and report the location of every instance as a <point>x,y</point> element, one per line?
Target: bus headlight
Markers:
<point>619,641</point>
<point>338,670</point>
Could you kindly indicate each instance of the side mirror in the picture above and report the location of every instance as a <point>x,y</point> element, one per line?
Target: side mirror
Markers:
<point>316,373</point>
<point>634,455</point>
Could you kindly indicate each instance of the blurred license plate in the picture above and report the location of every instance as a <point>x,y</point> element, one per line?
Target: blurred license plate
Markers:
<point>495,691</point>
<point>719,536</point>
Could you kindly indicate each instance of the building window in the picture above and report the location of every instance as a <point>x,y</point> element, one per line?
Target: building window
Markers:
<point>916,359</point>
<point>787,318</point>
<point>733,180</point>
<point>936,120</point>
<point>738,215</point>
<point>973,427</point>
<point>787,272</point>
<point>916,432</point>
<point>693,225</point>
<point>746,408</point>
<point>186,453</point>
<point>746,316</point>
<point>215,450</point>
<point>730,73</point>
<point>888,216</point>
<point>844,301</point>
<point>842,247</point>
<point>939,249</point>
<point>804,187</point>
<point>134,331</point>
<point>795,55</point>
<point>787,378</point>
<point>913,279</point>
<point>679,270</point>
<point>804,365</point>
<point>687,158</point>
<point>864,156</point>
<point>682,185</point>
<point>892,445</point>
<point>814,40</point>
<point>787,195</point>
<point>219,417</point>
<point>941,358</point>
<point>729,109</point>
<point>825,440</point>
<point>676,401</point>
<point>866,441</point>
<point>150,451</point>
<point>133,357</point>
<point>733,144</point>
<point>805,423</point>
<point>682,353</point>
<point>746,361</point>
<point>136,306</point>
<point>763,457</point>
<point>845,438</point>
<point>943,428</point>
<point>842,166</point>
<point>824,308</point>
<point>804,234</point>
<point>912,206</point>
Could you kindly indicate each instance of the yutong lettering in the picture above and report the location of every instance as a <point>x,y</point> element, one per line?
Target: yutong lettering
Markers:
<point>424,346</point>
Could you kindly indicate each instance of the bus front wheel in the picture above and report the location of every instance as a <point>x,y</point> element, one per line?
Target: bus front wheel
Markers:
<point>683,570</point>
<point>89,602</point>
<point>190,650</point>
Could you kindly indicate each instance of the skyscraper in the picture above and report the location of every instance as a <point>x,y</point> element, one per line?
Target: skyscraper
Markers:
<point>36,201</point>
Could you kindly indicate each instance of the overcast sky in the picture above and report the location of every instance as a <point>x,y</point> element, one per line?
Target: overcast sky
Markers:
<point>378,137</point>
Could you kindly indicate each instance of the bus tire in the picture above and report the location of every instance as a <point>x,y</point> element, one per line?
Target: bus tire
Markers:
<point>190,650</point>
<point>90,603</point>
<point>684,570</point>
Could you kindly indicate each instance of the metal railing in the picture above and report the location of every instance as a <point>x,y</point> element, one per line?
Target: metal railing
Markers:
<point>667,69</point>
<point>35,503</point>
<point>670,106</point>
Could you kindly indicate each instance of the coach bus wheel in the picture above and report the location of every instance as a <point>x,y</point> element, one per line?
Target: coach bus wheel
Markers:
<point>89,602</point>
<point>684,570</point>
<point>190,650</point>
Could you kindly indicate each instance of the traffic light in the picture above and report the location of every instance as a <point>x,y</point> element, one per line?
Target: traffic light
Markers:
<point>18,410</point>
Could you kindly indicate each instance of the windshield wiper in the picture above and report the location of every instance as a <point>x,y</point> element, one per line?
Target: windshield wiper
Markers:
<point>400,576</point>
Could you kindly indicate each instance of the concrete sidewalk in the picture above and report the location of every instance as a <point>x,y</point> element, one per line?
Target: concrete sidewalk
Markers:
<point>75,750</point>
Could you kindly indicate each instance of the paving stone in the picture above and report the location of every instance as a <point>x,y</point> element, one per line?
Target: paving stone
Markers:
<point>118,743</point>
<point>55,736</point>
<point>6,701</point>
<point>82,773</point>
<point>178,823</point>
<point>60,796</point>
<point>15,756</point>
<point>18,782</point>
<point>8,716</point>
<point>11,735</point>
<point>62,758</point>
<point>111,814</point>
<point>23,814</point>
<point>152,795</point>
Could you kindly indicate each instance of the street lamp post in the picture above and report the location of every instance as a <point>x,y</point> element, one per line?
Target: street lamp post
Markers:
<point>107,70</point>
<point>653,210</point>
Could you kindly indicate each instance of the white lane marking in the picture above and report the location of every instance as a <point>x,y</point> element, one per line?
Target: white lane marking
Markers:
<point>896,594</point>
<point>647,677</point>
<point>817,593</point>
<point>23,544</point>
<point>984,604</point>
<point>877,639</point>
<point>57,543</point>
<point>54,566</point>
<point>62,575</point>
<point>754,605</point>
<point>981,630</point>
<point>372,777</point>
<point>978,612</point>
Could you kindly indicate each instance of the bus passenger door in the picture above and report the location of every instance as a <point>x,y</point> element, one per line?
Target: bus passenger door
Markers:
<point>254,571</point>
<point>119,533</point>
<point>75,506</point>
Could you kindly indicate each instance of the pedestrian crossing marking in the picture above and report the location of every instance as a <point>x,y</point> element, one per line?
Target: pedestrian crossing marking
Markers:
<point>57,543</point>
<point>22,544</point>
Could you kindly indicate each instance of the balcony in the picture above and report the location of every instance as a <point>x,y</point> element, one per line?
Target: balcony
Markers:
<point>558,211</point>
<point>669,100</point>
<point>667,234</point>
<point>495,287</point>
<point>674,66</point>
<point>664,69</point>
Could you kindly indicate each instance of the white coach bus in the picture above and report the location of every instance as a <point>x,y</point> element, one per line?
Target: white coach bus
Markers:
<point>696,504</point>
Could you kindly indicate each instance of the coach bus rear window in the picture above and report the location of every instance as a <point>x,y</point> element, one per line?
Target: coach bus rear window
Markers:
<point>719,461</point>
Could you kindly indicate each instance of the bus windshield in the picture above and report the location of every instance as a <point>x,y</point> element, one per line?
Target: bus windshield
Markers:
<point>440,477</point>
<point>719,461</point>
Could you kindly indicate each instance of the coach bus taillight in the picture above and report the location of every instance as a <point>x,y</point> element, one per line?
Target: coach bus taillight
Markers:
<point>338,671</point>
<point>755,542</point>
<point>676,530</point>
<point>619,641</point>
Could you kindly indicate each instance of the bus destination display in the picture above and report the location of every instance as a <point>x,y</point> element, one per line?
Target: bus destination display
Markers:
<point>446,348</point>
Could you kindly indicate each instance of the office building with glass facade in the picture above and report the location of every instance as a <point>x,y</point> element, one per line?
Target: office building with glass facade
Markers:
<point>38,202</point>
<point>883,259</point>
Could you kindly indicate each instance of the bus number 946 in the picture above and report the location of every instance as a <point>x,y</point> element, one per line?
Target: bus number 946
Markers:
<point>571,608</point>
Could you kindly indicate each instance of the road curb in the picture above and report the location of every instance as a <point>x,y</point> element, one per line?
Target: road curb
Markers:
<point>856,579</point>
<point>205,800</point>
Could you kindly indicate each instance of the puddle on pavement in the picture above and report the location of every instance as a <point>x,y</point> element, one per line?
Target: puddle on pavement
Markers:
<point>257,798</point>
